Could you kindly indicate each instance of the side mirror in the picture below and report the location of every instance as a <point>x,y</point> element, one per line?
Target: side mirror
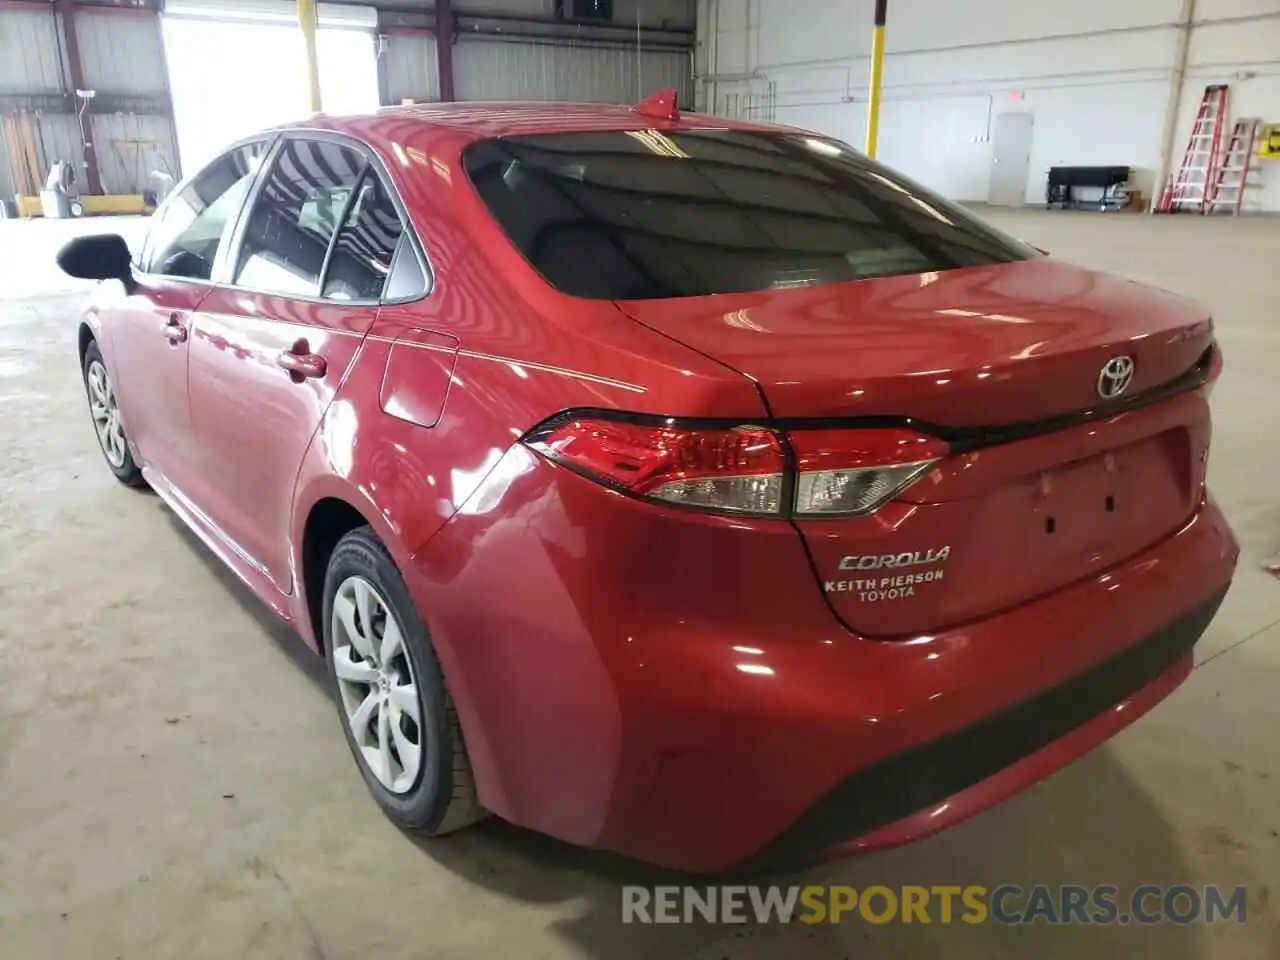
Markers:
<point>102,256</point>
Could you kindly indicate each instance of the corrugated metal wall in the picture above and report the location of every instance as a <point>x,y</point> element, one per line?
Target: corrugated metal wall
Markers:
<point>124,61</point>
<point>30,65</point>
<point>57,137</point>
<point>130,147</point>
<point>123,57</point>
<point>411,69</point>
<point>29,61</point>
<point>121,52</point>
<point>624,11</point>
<point>498,69</point>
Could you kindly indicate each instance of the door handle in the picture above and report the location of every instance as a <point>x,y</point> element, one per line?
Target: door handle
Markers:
<point>174,329</point>
<point>301,364</point>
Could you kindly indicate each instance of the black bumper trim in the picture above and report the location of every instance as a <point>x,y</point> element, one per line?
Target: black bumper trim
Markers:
<point>916,779</point>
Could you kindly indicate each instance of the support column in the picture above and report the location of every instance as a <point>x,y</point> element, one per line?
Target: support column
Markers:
<point>307,21</point>
<point>877,75</point>
<point>1177,82</point>
<point>445,29</point>
<point>66,14</point>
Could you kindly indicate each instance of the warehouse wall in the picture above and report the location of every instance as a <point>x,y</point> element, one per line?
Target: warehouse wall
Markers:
<point>123,61</point>
<point>1096,75</point>
<point>29,67</point>
<point>494,69</point>
<point>652,12</point>
<point>409,59</point>
<point>123,54</point>
<point>496,58</point>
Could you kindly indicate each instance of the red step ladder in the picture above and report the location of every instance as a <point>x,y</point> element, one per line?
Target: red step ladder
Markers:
<point>1227,194</point>
<point>1189,188</point>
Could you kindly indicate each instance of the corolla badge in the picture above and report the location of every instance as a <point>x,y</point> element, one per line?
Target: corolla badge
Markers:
<point>881,577</point>
<point>1115,376</point>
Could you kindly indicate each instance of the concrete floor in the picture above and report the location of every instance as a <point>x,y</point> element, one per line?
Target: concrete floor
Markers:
<point>173,782</point>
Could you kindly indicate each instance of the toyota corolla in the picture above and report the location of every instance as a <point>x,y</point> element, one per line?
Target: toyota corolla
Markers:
<point>689,488</point>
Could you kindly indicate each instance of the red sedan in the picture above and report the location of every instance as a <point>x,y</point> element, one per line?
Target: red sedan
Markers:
<point>683,487</point>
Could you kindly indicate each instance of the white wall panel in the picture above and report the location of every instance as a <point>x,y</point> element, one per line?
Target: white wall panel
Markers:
<point>410,64</point>
<point>950,68</point>
<point>29,60</point>
<point>1235,44</point>
<point>486,69</point>
<point>1227,9</point>
<point>121,52</point>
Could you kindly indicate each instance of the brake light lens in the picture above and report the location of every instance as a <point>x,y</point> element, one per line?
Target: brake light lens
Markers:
<point>1215,370</point>
<point>737,470</point>
<point>855,472</point>
<point>742,469</point>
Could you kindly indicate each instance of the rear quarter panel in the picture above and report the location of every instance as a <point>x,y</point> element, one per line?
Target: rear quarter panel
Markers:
<point>524,353</point>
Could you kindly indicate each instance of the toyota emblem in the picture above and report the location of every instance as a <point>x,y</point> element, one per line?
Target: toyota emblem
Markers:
<point>1115,376</point>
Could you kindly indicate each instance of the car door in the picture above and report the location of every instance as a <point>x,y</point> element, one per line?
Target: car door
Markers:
<point>149,329</point>
<point>305,277</point>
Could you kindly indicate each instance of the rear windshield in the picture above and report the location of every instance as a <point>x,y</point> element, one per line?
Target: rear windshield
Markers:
<point>642,214</point>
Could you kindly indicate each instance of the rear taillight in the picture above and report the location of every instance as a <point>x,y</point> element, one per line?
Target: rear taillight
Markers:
<point>1214,371</point>
<point>855,471</point>
<point>738,470</point>
<point>742,469</point>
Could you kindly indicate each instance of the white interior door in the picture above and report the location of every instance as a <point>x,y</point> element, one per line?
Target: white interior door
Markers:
<point>1010,159</point>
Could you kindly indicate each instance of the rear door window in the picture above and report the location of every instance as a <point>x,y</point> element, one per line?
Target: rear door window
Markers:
<point>366,244</point>
<point>300,206</point>
<point>644,214</point>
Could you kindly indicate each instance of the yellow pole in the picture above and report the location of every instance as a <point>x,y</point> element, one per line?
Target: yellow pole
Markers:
<point>307,21</point>
<point>877,74</point>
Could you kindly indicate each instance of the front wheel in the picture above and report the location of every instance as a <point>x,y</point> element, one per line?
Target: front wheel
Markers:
<point>392,699</point>
<point>106,419</point>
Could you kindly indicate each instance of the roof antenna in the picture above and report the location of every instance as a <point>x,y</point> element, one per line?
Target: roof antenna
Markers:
<point>662,105</point>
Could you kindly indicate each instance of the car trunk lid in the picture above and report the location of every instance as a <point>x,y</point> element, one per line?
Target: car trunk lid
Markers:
<point>1047,482</point>
<point>971,347</point>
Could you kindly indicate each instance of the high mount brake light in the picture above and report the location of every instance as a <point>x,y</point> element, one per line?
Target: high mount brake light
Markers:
<point>743,469</point>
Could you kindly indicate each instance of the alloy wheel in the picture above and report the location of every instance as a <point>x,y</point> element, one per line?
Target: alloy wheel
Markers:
<point>376,683</point>
<point>106,415</point>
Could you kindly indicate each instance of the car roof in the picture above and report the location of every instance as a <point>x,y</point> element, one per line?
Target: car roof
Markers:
<point>483,120</point>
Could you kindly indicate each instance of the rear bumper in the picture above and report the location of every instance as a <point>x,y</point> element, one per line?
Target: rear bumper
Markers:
<point>675,688</point>
<point>938,784</point>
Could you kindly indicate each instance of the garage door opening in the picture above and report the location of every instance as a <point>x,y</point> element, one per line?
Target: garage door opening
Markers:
<point>237,68</point>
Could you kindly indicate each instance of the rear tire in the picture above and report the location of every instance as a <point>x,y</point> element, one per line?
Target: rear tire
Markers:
<point>383,669</point>
<point>106,418</point>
